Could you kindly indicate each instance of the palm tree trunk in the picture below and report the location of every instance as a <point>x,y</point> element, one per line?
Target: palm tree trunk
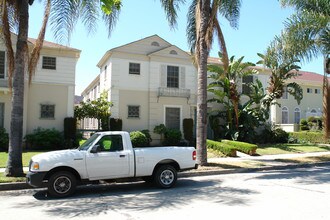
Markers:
<point>326,100</point>
<point>202,52</point>
<point>14,164</point>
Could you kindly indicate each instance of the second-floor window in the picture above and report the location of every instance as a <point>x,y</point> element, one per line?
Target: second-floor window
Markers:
<point>49,63</point>
<point>2,64</point>
<point>134,68</point>
<point>172,76</point>
<point>309,90</point>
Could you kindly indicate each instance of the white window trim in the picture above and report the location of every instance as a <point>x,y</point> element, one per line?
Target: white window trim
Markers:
<point>172,106</point>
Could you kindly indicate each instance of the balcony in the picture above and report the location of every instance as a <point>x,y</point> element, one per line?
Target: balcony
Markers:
<point>173,92</point>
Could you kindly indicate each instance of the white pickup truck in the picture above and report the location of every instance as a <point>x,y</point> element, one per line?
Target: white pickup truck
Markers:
<point>108,156</point>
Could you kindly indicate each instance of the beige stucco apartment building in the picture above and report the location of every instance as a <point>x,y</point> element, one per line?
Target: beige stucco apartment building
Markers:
<point>50,96</point>
<point>152,82</point>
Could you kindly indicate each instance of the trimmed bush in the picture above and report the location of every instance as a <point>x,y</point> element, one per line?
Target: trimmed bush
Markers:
<point>281,136</point>
<point>148,136</point>
<point>172,137</point>
<point>45,139</point>
<point>188,129</point>
<point>4,139</point>
<point>244,147</point>
<point>304,125</point>
<point>116,124</point>
<point>308,137</point>
<point>222,147</point>
<point>70,130</point>
<point>138,139</point>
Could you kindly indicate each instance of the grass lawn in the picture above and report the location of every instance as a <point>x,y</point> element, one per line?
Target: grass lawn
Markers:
<point>4,179</point>
<point>26,156</point>
<point>290,148</point>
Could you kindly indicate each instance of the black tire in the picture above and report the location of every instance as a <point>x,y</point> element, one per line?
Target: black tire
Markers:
<point>62,184</point>
<point>165,176</point>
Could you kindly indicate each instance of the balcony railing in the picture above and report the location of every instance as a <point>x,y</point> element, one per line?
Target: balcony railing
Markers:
<point>173,92</point>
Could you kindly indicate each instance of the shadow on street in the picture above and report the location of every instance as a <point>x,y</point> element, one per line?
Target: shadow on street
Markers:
<point>96,199</point>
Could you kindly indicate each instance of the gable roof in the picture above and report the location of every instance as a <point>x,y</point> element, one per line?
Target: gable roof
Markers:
<point>48,44</point>
<point>170,51</point>
<point>143,46</point>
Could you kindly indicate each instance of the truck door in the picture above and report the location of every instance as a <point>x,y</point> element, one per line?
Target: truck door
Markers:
<point>110,160</point>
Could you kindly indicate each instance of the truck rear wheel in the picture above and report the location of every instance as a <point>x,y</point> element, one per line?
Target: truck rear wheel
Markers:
<point>62,184</point>
<point>165,176</point>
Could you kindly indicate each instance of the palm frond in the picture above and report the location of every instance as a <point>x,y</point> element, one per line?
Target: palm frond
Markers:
<point>111,19</point>
<point>35,54</point>
<point>6,34</point>
<point>90,14</point>
<point>191,26</point>
<point>64,16</point>
<point>303,34</point>
<point>170,7</point>
<point>231,11</point>
<point>317,6</point>
<point>296,91</point>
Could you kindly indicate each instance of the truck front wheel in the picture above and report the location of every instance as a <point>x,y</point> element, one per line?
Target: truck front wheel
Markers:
<point>62,184</point>
<point>165,176</point>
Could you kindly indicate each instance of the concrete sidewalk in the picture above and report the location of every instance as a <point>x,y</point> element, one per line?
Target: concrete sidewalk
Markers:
<point>270,162</point>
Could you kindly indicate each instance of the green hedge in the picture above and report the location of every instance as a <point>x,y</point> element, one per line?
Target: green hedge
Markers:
<point>138,139</point>
<point>244,147</point>
<point>308,137</point>
<point>224,148</point>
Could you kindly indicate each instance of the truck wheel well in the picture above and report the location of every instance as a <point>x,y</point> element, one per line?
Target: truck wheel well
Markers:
<point>63,168</point>
<point>173,163</point>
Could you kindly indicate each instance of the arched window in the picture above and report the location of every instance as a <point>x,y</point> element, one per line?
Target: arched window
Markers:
<point>297,115</point>
<point>155,43</point>
<point>285,115</point>
<point>173,52</point>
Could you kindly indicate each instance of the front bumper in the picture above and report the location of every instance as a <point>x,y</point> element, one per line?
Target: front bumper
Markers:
<point>35,179</point>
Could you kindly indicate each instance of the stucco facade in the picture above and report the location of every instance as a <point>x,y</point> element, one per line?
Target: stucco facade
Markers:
<point>50,96</point>
<point>157,80</point>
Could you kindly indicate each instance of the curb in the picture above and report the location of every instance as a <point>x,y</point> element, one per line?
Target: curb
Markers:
<point>250,170</point>
<point>21,185</point>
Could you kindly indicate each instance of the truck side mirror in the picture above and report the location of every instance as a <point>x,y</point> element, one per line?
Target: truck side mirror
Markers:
<point>95,149</point>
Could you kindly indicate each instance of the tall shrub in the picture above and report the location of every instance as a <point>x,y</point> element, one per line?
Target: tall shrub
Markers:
<point>172,137</point>
<point>188,129</point>
<point>116,124</point>
<point>4,139</point>
<point>70,128</point>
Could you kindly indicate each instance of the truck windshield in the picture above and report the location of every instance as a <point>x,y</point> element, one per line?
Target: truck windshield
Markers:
<point>89,142</point>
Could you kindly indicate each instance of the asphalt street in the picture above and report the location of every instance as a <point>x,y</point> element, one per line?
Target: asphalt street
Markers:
<point>301,193</point>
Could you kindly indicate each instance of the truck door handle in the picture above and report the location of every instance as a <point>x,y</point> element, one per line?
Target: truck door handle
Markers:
<point>122,155</point>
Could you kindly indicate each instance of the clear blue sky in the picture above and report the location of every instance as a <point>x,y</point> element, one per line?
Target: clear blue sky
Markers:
<point>260,21</point>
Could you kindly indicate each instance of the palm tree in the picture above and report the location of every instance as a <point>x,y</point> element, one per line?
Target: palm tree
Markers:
<point>225,90</point>
<point>203,25</point>
<point>307,33</point>
<point>63,15</point>
<point>283,67</point>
